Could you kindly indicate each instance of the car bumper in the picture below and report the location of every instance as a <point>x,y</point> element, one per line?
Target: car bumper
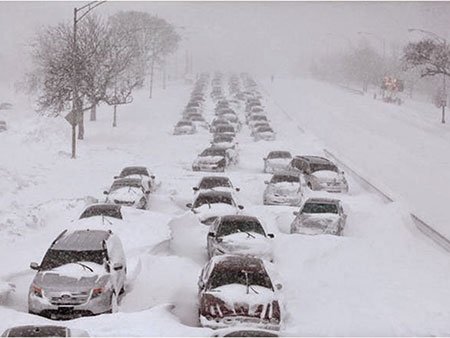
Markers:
<point>313,232</point>
<point>254,322</point>
<point>43,307</point>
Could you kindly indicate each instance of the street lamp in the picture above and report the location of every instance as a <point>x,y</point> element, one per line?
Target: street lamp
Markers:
<point>443,41</point>
<point>75,114</point>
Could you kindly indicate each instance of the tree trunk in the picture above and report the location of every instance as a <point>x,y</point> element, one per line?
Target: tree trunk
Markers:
<point>94,113</point>
<point>115,116</point>
<point>81,124</point>
<point>151,77</point>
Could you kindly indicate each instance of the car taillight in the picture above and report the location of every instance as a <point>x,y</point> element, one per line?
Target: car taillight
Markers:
<point>98,291</point>
<point>37,291</point>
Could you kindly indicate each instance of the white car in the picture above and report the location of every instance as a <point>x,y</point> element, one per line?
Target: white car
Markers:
<point>143,173</point>
<point>212,159</point>
<point>239,235</point>
<point>264,133</point>
<point>320,216</point>
<point>284,188</point>
<point>184,128</point>
<point>128,192</point>
<point>208,205</point>
<point>237,290</point>
<point>277,160</point>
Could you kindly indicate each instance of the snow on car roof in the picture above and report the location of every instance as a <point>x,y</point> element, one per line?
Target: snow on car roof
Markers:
<point>316,159</point>
<point>322,200</point>
<point>81,240</point>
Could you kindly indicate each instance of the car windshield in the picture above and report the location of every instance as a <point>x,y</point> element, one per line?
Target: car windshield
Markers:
<point>216,199</point>
<point>134,171</point>
<point>223,138</point>
<point>54,258</point>
<point>102,210</point>
<point>264,129</point>
<point>119,185</point>
<point>209,183</point>
<point>285,178</point>
<point>239,275</point>
<point>319,208</point>
<point>279,154</point>
<point>213,152</point>
<point>228,227</point>
<point>224,129</point>
<point>38,331</point>
<point>322,166</point>
<point>183,124</point>
<point>259,118</point>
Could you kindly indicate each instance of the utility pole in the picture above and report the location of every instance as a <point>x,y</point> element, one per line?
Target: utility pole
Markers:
<point>76,111</point>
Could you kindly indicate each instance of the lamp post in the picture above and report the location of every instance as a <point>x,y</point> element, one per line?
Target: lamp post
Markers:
<point>443,41</point>
<point>75,114</point>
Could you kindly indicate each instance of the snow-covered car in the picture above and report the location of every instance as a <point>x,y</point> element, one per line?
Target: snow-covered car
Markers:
<point>208,205</point>
<point>257,125</point>
<point>199,121</point>
<point>319,216</point>
<point>264,133</point>
<point>83,273</point>
<point>227,142</point>
<point>212,159</point>
<point>239,234</point>
<point>184,128</point>
<point>284,188</point>
<point>43,331</point>
<point>216,183</point>
<point>217,123</point>
<point>277,160</point>
<point>143,173</point>
<point>225,130</point>
<point>3,126</point>
<point>237,290</point>
<point>129,192</point>
<point>320,173</point>
<point>255,118</point>
<point>233,119</point>
<point>245,332</point>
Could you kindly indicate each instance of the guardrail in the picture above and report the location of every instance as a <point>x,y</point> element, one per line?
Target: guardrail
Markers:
<point>423,227</point>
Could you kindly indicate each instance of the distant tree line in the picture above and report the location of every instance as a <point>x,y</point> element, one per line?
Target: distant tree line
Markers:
<point>111,58</point>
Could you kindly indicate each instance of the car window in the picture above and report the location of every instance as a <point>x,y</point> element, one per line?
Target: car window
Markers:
<point>202,199</point>
<point>215,182</point>
<point>319,208</point>
<point>54,258</point>
<point>284,178</point>
<point>228,227</point>
<point>110,211</point>
<point>224,276</point>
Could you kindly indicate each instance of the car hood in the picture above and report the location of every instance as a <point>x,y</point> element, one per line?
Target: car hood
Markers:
<point>242,243</point>
<point>125,194</point>
<point>278,162</point>
<point>72,277</point>
<point>209,159</point>
<point>319,221</point>
<point>283,188</point>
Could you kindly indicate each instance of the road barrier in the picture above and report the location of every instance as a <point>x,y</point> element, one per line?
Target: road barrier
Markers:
<point>423,227</point>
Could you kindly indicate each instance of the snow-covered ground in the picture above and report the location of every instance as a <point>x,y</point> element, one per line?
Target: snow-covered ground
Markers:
<point>382,278</point>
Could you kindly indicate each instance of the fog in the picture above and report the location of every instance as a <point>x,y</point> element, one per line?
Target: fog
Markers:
<point>260,37</point>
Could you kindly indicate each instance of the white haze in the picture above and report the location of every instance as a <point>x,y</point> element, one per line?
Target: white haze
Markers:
<point>260,37</point>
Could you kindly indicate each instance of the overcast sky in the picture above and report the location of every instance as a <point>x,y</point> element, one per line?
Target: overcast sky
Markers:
<point>260,37</point>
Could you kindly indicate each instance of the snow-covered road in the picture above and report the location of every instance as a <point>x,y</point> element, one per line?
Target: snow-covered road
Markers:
<point>382,278</point>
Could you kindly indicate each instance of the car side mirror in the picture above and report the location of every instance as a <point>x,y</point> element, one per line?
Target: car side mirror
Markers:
<point>210,234</point>
<point>116,177</point>
<point>296,213</point>
<point>342,172</point>
<point>266,182</point>
<point>238,189</point>
<point>195,189</point>
<point>271,235</point>
<point>189,205</point>
<point>147,191</point>
<point>34,266</point>
<point>265,158</point>
<point>117,266</point>
<point>201,284</point>
<point>278,286</point>
<point>241,207</point>
<point>153,176</point>
<point>105,192</point>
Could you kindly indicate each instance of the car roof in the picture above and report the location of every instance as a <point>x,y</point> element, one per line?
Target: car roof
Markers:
<point>81,240</point>
<point>323,200</point>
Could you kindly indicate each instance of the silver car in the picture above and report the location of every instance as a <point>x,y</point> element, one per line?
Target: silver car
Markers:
<point>83,273</point>
<point>184,128</point>
<point>277,160</point>
<point>320,216</point>
<point>284,188</point>
<point>128,192</point>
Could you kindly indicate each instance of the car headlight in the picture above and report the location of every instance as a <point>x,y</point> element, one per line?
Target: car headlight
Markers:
<point>36,290</point>
<point>98,291</point>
